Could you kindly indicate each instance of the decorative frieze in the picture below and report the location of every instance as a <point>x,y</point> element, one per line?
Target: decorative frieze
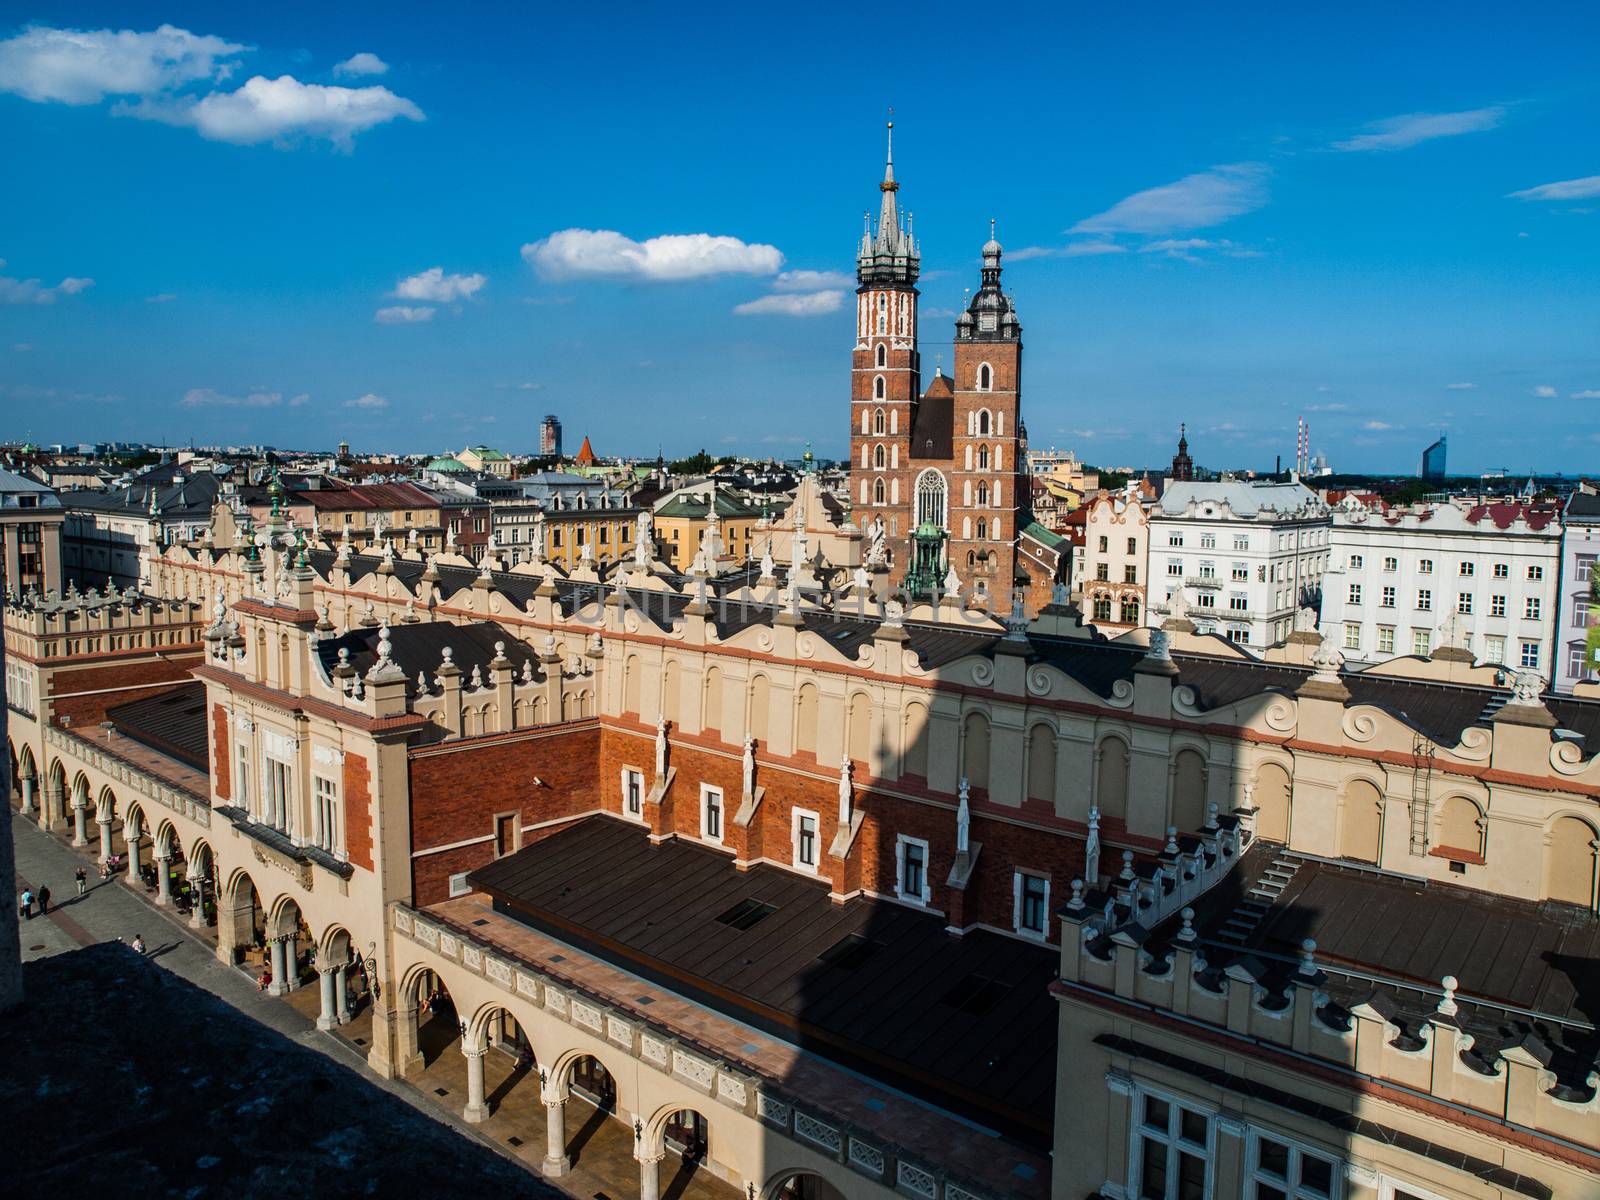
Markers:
<point>587,1015</point>
<point>555,1001</point>
<point>821,1134</point>
<point>696,1070</point>
<point>499,971</point>
<point>449,945</point>
<point>868,1159</point>
<point>772,1110</point>
<point>472,958</point>
<point>653,1049</point>
<point>732,1091</point>
<point>619,1031</point>
<point>528,986</point>
<point>427,936</point>
<point>402,920</point>
<point>327,756</point>
<point>955,1192</point>
<point>914,1179</point>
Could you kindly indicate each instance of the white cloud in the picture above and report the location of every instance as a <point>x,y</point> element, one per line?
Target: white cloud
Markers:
<point>812,281</point>
<point>403,314</point>
<point>1544,391</point>
<point>1070,250</point>
<point>1459,387</point>
<point>1377,426</point>
<point>433,284</point>
<point>1078,249</point>
<point>75,66</point>
<point>22,347</point>
<point>370,402</point>
<point>160,298</point>
<point>1336,407</point>
<point>297,401</point>
<point>792,304</point>
<point>1189,249</point>
<point>31,291</point>
<point>360,64</point>
<point>210,398</point>
<point>1587,394</point>
<point>1567,189</point>
<point>605,253</point>
<point>1193,202</point>
<point>1411,129</point>
<point>282,109</point>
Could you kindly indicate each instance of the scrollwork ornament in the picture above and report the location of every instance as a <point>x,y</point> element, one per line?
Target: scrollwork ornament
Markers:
<point>1281,715</point>
<point>1039,681</point>
<point>983,673</point>
<point>1121,694</point>
<point>1566,757</point>
<point>1360,724</point>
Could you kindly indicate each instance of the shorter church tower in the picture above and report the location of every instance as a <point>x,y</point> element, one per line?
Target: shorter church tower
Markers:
<point>1182,465</point>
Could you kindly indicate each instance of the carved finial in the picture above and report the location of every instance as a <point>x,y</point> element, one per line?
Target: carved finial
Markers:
<point>1187,933</point>
<point>1327,661</point>
<point>1172,840</point>
<point>1127,866</point>
<point>1447,1002</point>
<point>1077,895</point>
<point>1308,957</point>
<point>447,654</point>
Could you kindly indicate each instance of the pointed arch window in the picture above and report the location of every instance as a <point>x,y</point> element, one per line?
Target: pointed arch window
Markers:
<point>880,457</point>
<point>985,377</point>
<point>877,421</point>
<point>877,388</point>
<point>877,491</point>
<point>883,355</point>
<point>883,312</point>
<point>983,529</point>
<point>932,499</point>
<point>983,423</point>
<point>983,458</point>
<point>983,497</point>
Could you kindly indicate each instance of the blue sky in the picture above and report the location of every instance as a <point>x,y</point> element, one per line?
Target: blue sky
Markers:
<point>422,229</point>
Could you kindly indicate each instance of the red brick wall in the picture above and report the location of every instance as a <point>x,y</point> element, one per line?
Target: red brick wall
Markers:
<point>456,793</point>
<point>221,762</point>
<point>157,676</point>
<point>358,810</point>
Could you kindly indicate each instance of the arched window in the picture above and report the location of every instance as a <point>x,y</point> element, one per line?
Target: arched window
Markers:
<point>883,355</point>
<point>983,423</point>
<point>1460,825</point>
<point>983,496</point>
<point>805,719</point>
<point>983,458</point>
<point>984,377</point>
<point>983,529</point>
<point>914,741</point>
<point>877,491</point>
<point>999,457</point>
<point>883,312</point>
<point>1570,861</point>
<point>1130,611</point>
<point>1361,822</point>
<point>1102,608</point>
<point>712,721</point>
<point>877,421</point>
<point>880,457</point>
<point>877,387</point>
<point>894,422</point>
<point>972,559</point>
<point>1274,802</point>
<point>932,499</point>
<point>858,727</point>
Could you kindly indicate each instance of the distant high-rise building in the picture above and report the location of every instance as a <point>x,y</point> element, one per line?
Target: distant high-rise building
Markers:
<point>550,436</point>
<point>1433,460</point>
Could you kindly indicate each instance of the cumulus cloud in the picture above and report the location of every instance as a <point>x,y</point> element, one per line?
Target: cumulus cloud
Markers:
<point>605,253</point>
<point>811,281</point>
<point>1193,202</point>
<point>792,304</point>
<point>1377,426</point>
<point>1587,394</point>
<point>77,66</point>
<point>1545,392</point>
<point>369,402</point>
<point>1586,188</point>
<point>211,398</point>
<point>360,64</point>
<point>403,314</point>
<point>433,284</point>
<point>31,291</point>
<point>1411,129</point>
<point>283,109</point>
<point>1459,387</point>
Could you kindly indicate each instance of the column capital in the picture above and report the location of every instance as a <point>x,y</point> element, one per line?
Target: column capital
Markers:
<point>649,1160</point>
<point>474,1052</point>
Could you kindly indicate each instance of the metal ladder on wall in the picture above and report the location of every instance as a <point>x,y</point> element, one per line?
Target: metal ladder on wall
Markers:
<point>1421,792</point>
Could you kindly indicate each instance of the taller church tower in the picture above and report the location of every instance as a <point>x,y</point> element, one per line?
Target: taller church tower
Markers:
<point>886,369</point>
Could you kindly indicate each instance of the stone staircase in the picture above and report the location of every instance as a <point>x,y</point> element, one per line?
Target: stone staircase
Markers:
<point>1258,901</point>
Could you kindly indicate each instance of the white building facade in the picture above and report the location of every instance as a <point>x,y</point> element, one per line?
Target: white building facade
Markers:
<point>1480,578</point>
<point>1113,572</point>
<point>1238,558</point>
<point>1580,550</point>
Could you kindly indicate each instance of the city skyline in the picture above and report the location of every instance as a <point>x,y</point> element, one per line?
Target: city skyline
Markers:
<point>412,241</point>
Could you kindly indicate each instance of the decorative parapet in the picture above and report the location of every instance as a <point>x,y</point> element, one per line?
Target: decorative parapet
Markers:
<point>730,1083</point>
<point>86,752</point>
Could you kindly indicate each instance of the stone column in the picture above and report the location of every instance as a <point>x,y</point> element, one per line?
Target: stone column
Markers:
<point>341,993</point>
<point>402,1020</point>
<point>329,1017</point>
<point>80,824</point>
<point>477,1110</point>
<point>53,797</point>
<point>291,958</point>
<point>280,970</point>
<point>105,842</point>
<point>27,796</point>
<point>556,1161</point>
<point>650,1178</point>
<point>132,879</point>
<point>163,880</point>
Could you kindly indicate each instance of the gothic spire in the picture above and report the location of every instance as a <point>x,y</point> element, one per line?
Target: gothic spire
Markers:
<point>888,254</point>
<point>888,213</point>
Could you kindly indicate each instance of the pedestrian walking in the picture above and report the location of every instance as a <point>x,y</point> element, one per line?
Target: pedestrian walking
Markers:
<point>83,881</point>
<point>138,943</point>
<point>26,904</point>
<point>44,901</point>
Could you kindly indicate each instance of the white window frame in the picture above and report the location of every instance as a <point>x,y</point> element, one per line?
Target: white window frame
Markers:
<point>901,843</point>
<point>795,818</point>
<point>1388,1183</point>
<point>242,759</point>
<point>1137,1130</point>
<point>1017,927</point>
<point>325,814</point>
<point>632,775</point>
<point>459,885</point>
<point>1297,1149</point>
<point>707,808</point>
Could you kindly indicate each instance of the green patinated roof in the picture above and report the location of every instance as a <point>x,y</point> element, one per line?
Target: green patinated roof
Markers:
<point>447,463</point>
<point>1042,535</point>
<point>695,506</point>
<point>488,455</point>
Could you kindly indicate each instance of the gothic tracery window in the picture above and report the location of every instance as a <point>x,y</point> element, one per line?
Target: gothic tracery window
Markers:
<point>877,421</point>
<point>932,498</point>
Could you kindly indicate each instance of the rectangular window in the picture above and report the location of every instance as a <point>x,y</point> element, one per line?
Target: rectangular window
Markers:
<point>1464,603</point>
<point>325,813</point>
<point>1130,574</point>
<point>1281,1170</point>
<point>1174,567</point>
<point>1494,649</point>
<point>242,785</point>
<point>1241,541</point>
<point>279,795</point>
<point>911,869</point>
<point>459,885</point>
<point>1031,897</point>
<point>1352,636</point>
<point>1531,608</point>
<point>632,793</point>
<point>1421,641</point>
<point>1102,571</point>
<point>1466,567</point>
<point>1388,598</point>
<point>804,833</point>
<point>1530,654</point>
<point>1206,600</point>
<point>1497,606</point>
<point>1535,571</point>
<point>505,834</point>
<point>1577,660</point>
<point>1239,635</point>
<point>1424,600</point>
<point>1240,572</point>
<point>1174,539</point>
<point>1355,594</point>
<point>1502,571</point>
<point>1208,541</point>
<point>1238,601</point>
<point>1172,1149</point>
<point>1133,545</point>
<point>1105,544</point>
<point>1385,639</point>
<point>710,813</point>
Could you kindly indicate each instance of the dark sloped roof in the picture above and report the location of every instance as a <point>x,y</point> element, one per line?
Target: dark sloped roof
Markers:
<point>420,647</point>
<point>173,723</point>
<point>966,1023</point>
<point>933,428</point>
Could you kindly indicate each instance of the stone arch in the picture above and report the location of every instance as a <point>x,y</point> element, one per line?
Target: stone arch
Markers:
<point>335,947</point>
<point>1572,849</point>
<point>1042,762</point>
<point>1111,777</point>
<point>55,795</point>
<point>1361,822</point>
<point>1274,789</point>
<point>26,769</point>
<point>975,750</point>
<point>805,719</point>
<point>493,1024</point>
<point>166,841</point>
<point>793,1184</point>
<point>858,725</point>
<point>425,998</point>
<point>665,1127</point>
<point>285,917</point>
<point>1461,824</point>
<point>573,1068</point>
<point>914,734</point>
<point>80,791</point>
<point>1188,790</point>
